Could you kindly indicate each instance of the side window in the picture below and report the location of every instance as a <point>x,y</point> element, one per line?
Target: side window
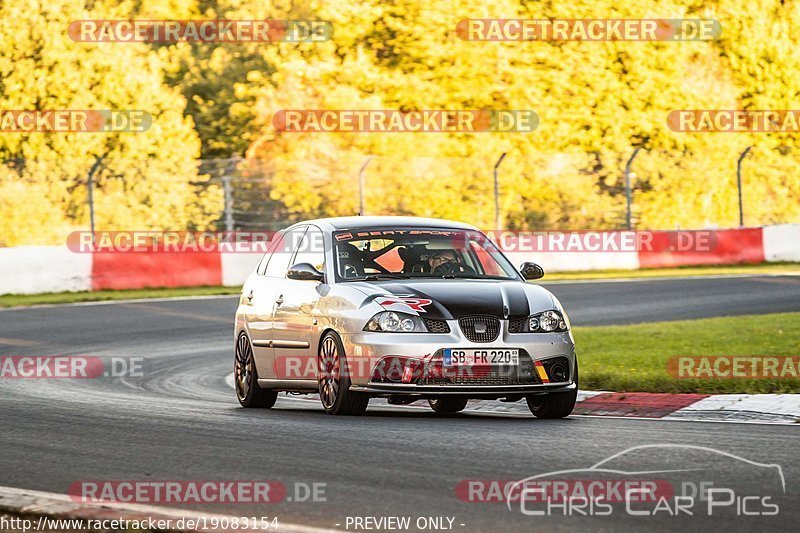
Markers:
<point>312,249</point>
<point>283,252</point>
<point>276,239</point>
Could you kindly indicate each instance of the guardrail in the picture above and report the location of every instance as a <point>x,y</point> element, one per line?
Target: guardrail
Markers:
<point>40,269</point>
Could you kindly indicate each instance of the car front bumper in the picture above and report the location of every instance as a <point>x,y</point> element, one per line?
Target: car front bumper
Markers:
<point>366,349</point>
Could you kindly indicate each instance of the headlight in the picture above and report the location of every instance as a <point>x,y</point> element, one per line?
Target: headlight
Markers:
<point>395,323</point>
<point>547,322</point>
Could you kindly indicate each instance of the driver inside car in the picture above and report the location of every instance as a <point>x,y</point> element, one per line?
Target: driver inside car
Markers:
<point>443,261</point>
<point>447,262</point>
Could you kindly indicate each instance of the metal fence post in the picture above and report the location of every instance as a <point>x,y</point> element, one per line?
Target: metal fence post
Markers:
<point>226,187</point>
<point>628,199</point>
<point>497,193</point>
<point>90,189</point>
<point>739,184</point>
<point>361,186</point>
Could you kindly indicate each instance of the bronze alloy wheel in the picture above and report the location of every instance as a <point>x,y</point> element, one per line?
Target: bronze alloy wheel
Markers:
<point>334,380</point>
<point>245,377</point>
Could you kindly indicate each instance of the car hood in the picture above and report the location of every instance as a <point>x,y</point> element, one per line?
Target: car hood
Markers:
<point>452,298</point>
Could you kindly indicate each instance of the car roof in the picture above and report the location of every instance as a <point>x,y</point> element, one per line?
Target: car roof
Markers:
<point>365,222</point>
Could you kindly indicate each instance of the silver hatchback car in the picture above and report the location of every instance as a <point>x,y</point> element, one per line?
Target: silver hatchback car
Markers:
<point>401,308</point>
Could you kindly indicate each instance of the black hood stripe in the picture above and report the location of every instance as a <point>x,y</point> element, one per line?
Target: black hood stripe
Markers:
<point>453,299</point>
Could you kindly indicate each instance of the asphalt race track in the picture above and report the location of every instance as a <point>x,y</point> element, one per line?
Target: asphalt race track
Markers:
<point>599,303</point>
<point>181,421</point>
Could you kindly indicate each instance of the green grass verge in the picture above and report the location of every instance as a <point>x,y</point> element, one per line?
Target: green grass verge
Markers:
<point>13,300</point>
<point>762,268</point>
<point>634,358</point>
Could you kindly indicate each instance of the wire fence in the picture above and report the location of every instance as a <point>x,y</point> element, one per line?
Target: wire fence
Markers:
<point>41,201</point>
<point>548,191</point>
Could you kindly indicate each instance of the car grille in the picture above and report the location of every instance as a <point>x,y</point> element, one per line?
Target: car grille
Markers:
<point>480,328</point>
<point>436,326</point>
<point>522,374</point>
<point>517,325</point>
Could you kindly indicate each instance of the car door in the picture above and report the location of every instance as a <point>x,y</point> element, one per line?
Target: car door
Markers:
<point>260,294</point>
<point>294,320</point>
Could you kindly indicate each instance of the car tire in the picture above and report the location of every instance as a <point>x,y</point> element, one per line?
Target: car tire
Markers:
<point>447,405</point>
<point>245,377</point>
<point>334,380</point>
<point>554,404</point>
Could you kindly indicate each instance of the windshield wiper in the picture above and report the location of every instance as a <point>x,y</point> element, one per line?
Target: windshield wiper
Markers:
<point>468,275</point>
<point>387,275</point>
<point>377,277</point>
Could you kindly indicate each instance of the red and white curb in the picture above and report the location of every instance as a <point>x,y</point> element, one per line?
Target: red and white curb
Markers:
<point>638,404</point>
<point>743,408</point>
<point>47,507</point>
<point>757,408</point>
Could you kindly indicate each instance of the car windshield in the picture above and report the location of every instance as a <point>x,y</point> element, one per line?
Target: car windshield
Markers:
<point>400,253</point>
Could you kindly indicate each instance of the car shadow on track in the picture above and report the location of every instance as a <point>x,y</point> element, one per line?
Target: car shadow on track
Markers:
<point>310,408</point>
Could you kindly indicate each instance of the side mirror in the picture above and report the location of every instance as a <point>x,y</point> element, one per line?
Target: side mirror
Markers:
<point>531,271</point>
<point>305,272</point>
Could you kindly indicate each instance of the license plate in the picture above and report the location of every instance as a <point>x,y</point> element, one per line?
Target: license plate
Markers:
<point>479,357</point>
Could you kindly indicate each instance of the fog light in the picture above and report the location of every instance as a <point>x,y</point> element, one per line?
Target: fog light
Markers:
<point>558,372</point>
